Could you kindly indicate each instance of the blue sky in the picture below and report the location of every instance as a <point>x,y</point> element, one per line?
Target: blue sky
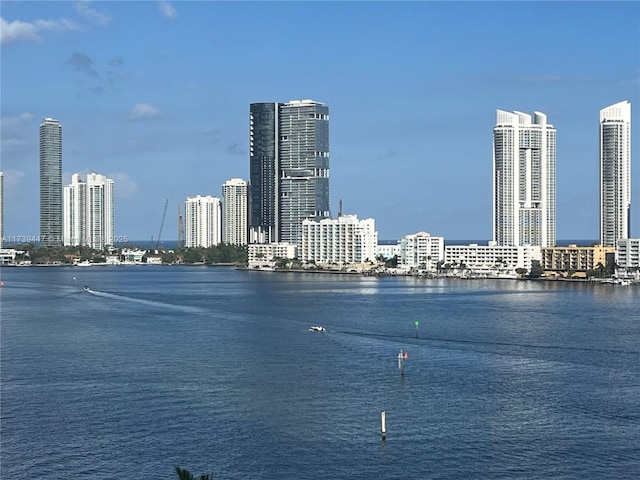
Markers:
<point>156,95</point>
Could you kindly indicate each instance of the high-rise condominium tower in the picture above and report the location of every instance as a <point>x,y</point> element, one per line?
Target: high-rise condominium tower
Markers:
<point>50,182</point>
<point>89,211</point>
<point>615,173</point>
<point>289,168</point>
<point>524,180</point>
<point>202,221</point>
<point>234,212</point>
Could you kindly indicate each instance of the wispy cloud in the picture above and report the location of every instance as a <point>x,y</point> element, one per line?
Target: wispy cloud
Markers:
<point>235,149</point>
<point>15,135</point>
<point>84,8</point>
<point>167,10</point>
<point>142,111</point>
<point>10,122</point>
<point>81,62</point>
<point>19,31</point>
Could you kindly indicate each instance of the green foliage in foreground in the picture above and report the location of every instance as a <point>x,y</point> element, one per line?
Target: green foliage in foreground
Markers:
<point>184,474</point>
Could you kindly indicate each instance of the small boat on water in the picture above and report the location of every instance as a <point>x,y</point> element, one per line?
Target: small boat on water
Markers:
<point>86,288</point>
<point>317,328</point>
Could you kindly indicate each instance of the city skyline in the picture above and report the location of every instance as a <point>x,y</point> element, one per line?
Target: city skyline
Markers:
<point>413,89</point>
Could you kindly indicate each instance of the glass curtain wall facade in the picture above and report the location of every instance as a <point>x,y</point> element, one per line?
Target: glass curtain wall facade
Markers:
<point>304,166</point>
<point>289,169</point>
<point>50,182</point>
<point>615,173</point>
<point>263,172</point>
<point>524,180</point>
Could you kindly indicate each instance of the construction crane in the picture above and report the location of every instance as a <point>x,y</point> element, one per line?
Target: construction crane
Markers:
<point>164,214</point>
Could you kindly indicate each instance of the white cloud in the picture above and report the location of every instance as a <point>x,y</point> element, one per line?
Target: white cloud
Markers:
<point>167,10</point>
<point>14,133</point>
<point>18,31</point>
<point>143,110</point>
<point>84,8</point>
<point>123,185</point>
<point>9,122</point>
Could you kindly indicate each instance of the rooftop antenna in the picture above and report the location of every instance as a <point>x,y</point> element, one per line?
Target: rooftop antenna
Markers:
<point>340,208</point>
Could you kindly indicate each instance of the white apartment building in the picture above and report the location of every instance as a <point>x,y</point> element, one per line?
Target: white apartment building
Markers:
<point>264,255</point>
<point>202,221</point>
<point>491,259</point>
<point>344,240</point>
<point>88,211</point>
<point>524,180</point>
<point>234,211</point>
<point>420,251</point>
<point>388,250</point>
<point>615,173</point>
<point>628,253</point>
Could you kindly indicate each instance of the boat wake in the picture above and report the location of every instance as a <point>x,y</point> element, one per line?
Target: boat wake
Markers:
<point>141,301</point>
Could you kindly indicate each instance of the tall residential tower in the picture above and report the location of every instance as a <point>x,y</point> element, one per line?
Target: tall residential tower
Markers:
<point>202,221</point>
<point>234,212</point>
<point>524,180</point>
<point>50,182</point>
<point>89,211</point>
<point>289,169</point>
<point>615,173</point>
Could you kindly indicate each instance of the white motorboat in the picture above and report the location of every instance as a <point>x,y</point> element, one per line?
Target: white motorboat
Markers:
<point>317,328</point>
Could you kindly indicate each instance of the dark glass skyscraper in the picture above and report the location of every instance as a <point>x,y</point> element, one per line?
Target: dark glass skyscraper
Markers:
<point>263,172</point>
<point>50,182</point>
<point>289,168</point>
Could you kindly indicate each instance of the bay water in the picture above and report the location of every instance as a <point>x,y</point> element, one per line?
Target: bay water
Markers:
<point>215,370</point>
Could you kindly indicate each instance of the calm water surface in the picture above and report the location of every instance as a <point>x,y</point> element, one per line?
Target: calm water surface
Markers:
<point>214,370</point>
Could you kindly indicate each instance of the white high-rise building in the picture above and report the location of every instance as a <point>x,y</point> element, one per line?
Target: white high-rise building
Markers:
<point>234,211</point>
<point>203,222</point>
<point>524,180</point>
<point>88,211</point>
<point>615,173</point>
<point>342,240</point>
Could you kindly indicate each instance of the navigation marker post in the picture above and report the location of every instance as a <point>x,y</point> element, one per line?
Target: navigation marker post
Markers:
<point>417,323</point>
<point>402,356</point>
<point>383,424</point>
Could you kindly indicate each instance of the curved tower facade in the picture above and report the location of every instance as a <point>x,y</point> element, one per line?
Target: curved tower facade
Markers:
<point>524,180</point>
<point>615,173</point>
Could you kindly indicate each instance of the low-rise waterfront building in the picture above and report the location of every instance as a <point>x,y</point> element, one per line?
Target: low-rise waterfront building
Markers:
<point>627,258</point>
<point>420,251</point>
<point>574,260</point>
<point>388,249</point>
<point>344,240</point>
<point>8,256</point>
<point>491,260</point>
<point>265,255</point>
<point>132,255</point>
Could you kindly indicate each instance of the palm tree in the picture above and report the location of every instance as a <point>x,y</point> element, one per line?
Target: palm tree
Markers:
<point>184,474</point>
